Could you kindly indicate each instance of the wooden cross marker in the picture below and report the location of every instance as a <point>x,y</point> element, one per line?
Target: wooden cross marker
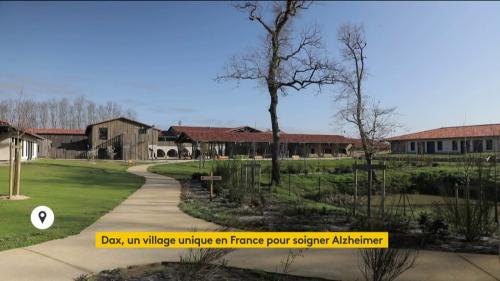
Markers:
<point>211,178</point>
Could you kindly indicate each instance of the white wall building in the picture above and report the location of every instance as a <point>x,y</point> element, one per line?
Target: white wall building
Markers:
<point>460,139</point>
<point>29,143</point>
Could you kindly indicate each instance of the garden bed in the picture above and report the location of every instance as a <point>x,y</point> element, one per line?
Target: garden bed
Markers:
<point>320,200</point>
<point>170,271</point>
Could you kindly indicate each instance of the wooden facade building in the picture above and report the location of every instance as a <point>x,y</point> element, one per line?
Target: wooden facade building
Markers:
<point>123,139</point>
<point>117,139</point>
<point>62,143</point>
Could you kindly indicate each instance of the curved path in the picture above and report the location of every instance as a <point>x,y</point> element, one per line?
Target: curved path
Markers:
<point>154,208</point>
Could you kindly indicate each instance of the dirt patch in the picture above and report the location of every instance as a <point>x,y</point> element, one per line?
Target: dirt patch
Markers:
<point>170,271</point>
<point>14,197</point>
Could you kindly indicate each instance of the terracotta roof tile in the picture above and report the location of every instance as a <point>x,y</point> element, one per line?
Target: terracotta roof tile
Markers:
<point>486,130</point>
<point>220,134</point>
<point>45,131</point>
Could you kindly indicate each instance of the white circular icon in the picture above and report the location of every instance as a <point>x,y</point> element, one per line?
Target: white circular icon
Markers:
<point>42,217</point>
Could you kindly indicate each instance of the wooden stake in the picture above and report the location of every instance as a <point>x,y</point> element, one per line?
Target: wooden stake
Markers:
<point>456,202</point>
<point>17,181</point>
<point>11,168</point>
<point>355,190</point>
<point>289,189</point>
<point>211,186</point>
<point>260,173</point>
<point>383,192</point>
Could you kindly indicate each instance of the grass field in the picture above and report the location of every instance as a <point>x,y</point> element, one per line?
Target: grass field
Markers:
<point>79,192</point>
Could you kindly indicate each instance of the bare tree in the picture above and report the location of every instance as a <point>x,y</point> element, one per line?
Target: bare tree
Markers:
<point>78,115</point>
<point>43,114</point>
<point>130,113</point>
<point>23,117</point>
<point>288,60</point>
<point>53,113</point>
<point>59,113</point>
<point>386,264</point>
<point>372,121</point>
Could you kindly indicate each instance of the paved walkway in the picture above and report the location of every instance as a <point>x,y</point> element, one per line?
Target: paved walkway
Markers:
<point>154,208</point>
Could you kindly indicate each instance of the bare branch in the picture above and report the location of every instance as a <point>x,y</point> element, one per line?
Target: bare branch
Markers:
<point>284,62</point>
<point>371,120</point>
<point>254,15</point>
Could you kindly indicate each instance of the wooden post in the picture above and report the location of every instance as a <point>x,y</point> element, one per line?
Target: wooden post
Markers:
<point>456,202</point>
<point>211,186</point>
<point>383,192</point>
<point>496,196</point>
<point>17,179</point>
<point>211,178</point>
<point>253,175</point>
<point>370,182</point>
<point>289,189</point>
<point>246,177</point>
<point>467,200</point>
<point>260,173</point>
<point>11,168</point>
<point>319,188</point>
<point>355,191</point>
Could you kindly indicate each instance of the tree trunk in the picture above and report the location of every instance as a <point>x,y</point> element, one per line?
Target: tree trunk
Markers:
<point>370,185</point>
<point>275,172</point>
<point>17,171</point>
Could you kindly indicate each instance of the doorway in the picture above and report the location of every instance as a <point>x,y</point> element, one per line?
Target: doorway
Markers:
<point>431,147</point>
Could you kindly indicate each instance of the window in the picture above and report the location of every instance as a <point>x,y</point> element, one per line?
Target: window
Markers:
<point>454,145</point>
<point>477,145</point>
<point>103,133</point>
<point>440,145</point>
<point>412,146</point>
<point>489,144</point>
<point>142,131</point>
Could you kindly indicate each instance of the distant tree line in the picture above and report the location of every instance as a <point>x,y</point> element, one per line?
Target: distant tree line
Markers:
<point>59,113</point>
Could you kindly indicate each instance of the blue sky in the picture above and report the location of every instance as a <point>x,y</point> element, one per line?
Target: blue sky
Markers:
<point>437,62</point>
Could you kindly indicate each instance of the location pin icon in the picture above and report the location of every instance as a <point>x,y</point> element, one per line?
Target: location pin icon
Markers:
<point>42,215</point>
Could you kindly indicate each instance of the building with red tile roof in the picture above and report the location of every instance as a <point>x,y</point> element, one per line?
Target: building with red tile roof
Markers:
<point>129,139</point>
<point>46,131</point>
<point>458,139</point>
<point>245,140</point>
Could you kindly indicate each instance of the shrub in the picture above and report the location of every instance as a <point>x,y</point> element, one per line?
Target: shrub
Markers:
<point>472,220</point>
<point>432,228</point>
<point>390,223</point>
<point>343,169</point>
<point>293,168</point>
<point>386,264</point>
<point>236,195</point>
<point>200,264</point>
<point>432,182</point>
<point>198,175</point>
<point>83,277</point>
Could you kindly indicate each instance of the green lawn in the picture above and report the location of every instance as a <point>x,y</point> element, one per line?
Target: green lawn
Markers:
<point>79,192</point>
<point>180,171</point>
